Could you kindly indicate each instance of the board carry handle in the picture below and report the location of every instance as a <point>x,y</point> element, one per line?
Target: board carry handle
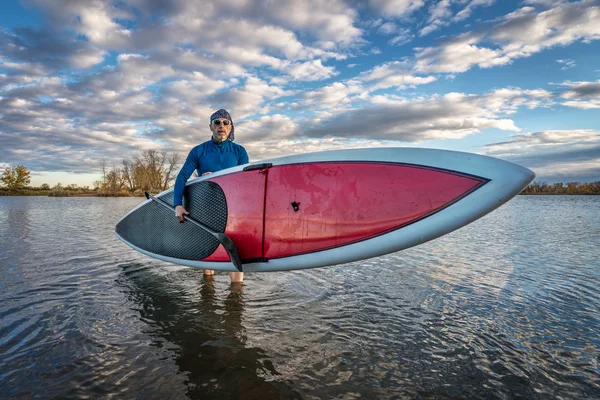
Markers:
<point>254,167</point>
<point>221,237</point>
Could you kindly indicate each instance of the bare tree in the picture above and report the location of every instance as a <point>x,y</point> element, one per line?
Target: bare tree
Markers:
<point>114,182</point>
<point>127,173</point>
<point>159,168</point>
<point>174,160</point>
<point>153,171</point>
<point>103,165</point>
<point>152,161</point>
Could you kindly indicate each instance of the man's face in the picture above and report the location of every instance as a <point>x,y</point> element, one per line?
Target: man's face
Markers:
<point>220,131</point>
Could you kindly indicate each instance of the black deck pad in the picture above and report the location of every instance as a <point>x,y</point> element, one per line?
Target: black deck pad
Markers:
<point>155,228</point>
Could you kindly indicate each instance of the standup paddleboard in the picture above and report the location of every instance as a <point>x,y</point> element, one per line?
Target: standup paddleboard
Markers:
<point>319,209</point>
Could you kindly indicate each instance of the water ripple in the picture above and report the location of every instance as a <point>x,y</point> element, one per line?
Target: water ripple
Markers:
<point>506,307</point>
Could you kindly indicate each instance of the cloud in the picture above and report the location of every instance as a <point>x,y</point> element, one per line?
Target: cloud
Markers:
<point>584,105</point>
<point>393,74</point>
<point>509,100</point>
<point>516,35</point>
<point>248,99</point>
<point>222,28</point>
<point>270,148</point>
<point>468,10</point>
<point>327,20</point>
<point>311,71</point>
<point>252,56</point>
<point>94,20</point>
<point>32,47</point>
<point>452,116</point>
<point>387,28</point>
<point>567,64</point>
<point>61,145</point>
<point>104,80</point>
<point>133,71</point>
<point>581,90</point>
<point>530,32</point>
<point>268,127</point>
<point>192,87</point>
<point>402,36</point>
<point>441,15</point>
<point>548,3</point>
<point>329,97</point>
<point>144,102</point>
<point>189,61</point>
<point>396,8</point>
<point>570,171</point>
<point>583,95</point>
<point>549,141</point>
<point>555,154</point>
<point>249,34</point>
<point>458,54</point>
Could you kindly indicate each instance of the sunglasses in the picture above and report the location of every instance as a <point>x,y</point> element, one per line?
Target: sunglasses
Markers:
<point>218,122</point>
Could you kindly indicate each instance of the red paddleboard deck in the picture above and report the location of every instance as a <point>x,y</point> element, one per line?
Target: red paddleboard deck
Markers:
<point>323,208</point>
<point>289,210</point>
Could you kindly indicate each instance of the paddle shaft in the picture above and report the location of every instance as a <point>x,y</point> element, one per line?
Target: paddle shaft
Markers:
<point>221,237</point>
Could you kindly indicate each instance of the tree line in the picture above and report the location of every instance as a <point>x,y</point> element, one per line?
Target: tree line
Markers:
<point>155,171</point>
<point>563,188</point>
<point>152,171</point>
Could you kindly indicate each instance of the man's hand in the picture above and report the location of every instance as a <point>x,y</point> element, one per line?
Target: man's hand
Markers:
<point>180,212</point>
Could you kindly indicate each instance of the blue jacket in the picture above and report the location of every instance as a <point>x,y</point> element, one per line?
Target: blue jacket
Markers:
<point>208,157</point>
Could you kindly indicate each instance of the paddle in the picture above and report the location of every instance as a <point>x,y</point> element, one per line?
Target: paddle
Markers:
<point>221,237</point>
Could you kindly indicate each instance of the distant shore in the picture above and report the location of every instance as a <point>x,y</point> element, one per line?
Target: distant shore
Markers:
<point>49,193</point>
<point>106,190</point>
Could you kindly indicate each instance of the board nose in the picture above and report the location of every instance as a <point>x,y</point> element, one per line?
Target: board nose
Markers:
<point>522,176</point>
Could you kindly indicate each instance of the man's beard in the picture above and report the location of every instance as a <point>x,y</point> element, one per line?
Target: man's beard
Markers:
<point>219,139</point>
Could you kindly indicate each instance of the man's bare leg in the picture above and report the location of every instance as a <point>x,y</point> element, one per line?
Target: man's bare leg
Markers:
<point>236,277</point>
<point>209,272</point>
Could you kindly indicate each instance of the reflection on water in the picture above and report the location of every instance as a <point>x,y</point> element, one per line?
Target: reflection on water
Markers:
<point>205,332</point>
<point>506,307</point>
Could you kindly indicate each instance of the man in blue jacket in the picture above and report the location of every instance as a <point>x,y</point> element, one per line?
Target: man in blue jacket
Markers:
<point>214,155</point>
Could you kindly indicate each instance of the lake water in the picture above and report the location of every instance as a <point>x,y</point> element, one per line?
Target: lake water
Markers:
<point>507,307</point>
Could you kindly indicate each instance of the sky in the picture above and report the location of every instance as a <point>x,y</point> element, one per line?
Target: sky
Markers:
<point>87,81</point>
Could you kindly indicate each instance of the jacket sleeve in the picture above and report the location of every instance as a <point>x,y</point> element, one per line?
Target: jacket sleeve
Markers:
<point>191,163</point>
